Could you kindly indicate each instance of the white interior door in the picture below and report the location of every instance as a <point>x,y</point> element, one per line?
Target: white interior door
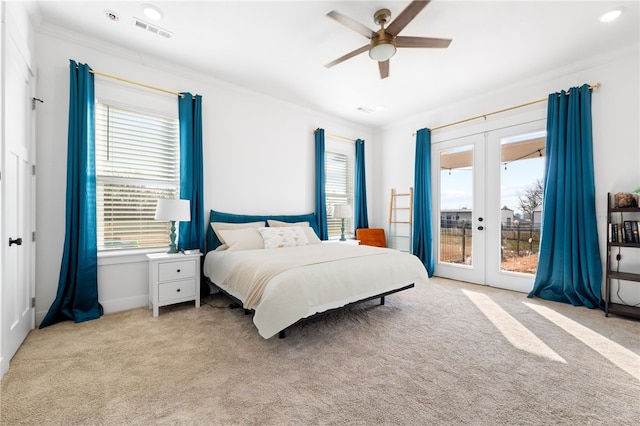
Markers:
<point>483,235</point>
<point>17,184</point>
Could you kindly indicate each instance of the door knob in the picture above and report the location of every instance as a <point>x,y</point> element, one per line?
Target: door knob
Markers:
<point>480,228</point>
<point>17,241</point>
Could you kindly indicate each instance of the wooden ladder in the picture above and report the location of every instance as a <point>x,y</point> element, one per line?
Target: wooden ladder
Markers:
<point>401,220</point>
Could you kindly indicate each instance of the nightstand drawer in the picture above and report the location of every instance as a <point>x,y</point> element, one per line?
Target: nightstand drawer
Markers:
<point>168,271</point>
<point>176,290</point>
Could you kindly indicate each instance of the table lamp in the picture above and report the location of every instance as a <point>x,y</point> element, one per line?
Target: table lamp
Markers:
<point>173,210</point>
<point>342,211</point>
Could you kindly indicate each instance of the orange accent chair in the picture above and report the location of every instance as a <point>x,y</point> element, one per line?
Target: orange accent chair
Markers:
<point>371,237</point>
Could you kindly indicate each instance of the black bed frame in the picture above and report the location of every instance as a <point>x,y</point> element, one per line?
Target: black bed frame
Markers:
<point>237,303</point>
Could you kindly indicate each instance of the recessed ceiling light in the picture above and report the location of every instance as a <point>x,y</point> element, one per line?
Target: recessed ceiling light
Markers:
<point>152,12</point>
<point>612,15</point>
<point>380,108</point>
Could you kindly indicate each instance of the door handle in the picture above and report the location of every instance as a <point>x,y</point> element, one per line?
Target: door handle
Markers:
<point>480,228</point>
<point>17,241</point>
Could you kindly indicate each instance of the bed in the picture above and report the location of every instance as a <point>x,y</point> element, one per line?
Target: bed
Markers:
<point>277,268</point>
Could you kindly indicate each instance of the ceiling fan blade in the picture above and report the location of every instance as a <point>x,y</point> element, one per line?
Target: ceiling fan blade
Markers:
<point>384,69</point>
<point>405,17</point>
<point>348,56</point>
<point>422,42</point>
<point>350,23</point>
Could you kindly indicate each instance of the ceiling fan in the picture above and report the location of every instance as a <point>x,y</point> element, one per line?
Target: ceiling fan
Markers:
<point>383,43</point>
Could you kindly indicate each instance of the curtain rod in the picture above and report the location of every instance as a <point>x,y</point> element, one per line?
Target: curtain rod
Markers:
<point>148,86</point>
<point>342,138</point>
<point>595,86</point>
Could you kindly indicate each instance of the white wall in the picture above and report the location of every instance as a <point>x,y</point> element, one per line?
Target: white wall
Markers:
<point>616,132</point>
<point>258,153</point>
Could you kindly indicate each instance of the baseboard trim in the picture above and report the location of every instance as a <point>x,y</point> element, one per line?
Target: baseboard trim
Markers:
<point>3,368</point>
<point>111,306</point>
<point>125,304</point>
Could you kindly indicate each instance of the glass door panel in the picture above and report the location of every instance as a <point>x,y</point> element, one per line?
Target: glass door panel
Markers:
<point>522,173</point>
<point>456,205</point>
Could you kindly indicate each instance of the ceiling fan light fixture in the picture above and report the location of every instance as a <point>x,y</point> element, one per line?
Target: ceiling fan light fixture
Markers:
<point>384,42</point>
<point>382,52</point>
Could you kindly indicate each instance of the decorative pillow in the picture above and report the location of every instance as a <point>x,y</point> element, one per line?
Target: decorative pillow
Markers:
<point>217,226</point>
<point>242,239</point>
<point>279,223</point>
<point>312,237</point>
<point>278,237</point>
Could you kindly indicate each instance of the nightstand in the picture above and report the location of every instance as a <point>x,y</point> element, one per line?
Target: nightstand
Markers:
<point>173,278</point>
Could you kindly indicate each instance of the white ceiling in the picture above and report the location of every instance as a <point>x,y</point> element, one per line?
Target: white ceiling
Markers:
<point>279,48</point>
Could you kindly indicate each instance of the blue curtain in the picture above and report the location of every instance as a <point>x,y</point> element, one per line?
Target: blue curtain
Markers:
<point>192,234</point>
<point>569,265</point>
<point>321,199</point>
<point>422,229</point>
<point>77,296</point>
<point>360,190</point>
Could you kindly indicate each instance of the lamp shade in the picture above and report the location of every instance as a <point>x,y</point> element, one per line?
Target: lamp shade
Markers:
<point>342,211</point>
<point>170,209</point>
<point>382,52</point>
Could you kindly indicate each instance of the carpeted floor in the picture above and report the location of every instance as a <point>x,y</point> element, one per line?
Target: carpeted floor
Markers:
<point>442,353</point>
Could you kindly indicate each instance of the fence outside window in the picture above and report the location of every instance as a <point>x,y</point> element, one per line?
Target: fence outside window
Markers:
<point>519,244</point>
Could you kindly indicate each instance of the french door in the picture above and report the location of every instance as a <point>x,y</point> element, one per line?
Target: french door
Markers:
<point>459,167</point>
<point>488,206</point>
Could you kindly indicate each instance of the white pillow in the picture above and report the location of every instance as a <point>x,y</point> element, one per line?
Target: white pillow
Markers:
<point>217,226</point>
<point>279,223</point>
<point>312,238</point>
<point>242,239</point>
<point>277,237</point>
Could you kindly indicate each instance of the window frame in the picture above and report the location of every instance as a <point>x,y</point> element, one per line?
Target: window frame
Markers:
<point>153,234</point>
<point>347,150</point>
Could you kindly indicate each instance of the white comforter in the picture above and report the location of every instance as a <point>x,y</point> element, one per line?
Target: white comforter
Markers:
<point>333,276</point>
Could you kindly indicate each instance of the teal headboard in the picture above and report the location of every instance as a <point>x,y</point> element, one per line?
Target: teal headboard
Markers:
<point>216,216</point>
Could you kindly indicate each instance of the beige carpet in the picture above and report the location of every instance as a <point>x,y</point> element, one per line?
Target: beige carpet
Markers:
<point>429,356</point>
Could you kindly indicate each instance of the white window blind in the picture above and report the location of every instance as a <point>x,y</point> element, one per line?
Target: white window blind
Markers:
<point>339,189</point>
<point>137,162</point>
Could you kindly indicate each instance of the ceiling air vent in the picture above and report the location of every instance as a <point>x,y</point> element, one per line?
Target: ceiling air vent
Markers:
<point>152,28</point>
<point>365,110</point>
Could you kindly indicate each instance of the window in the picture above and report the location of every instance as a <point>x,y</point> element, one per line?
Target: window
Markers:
<point>339,189</point>
<point>137,162</point>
